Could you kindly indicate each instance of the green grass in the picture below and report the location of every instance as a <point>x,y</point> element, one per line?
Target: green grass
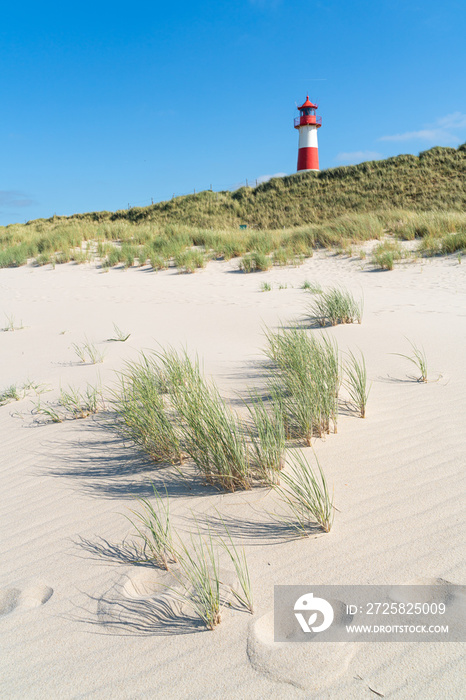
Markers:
<point>144,414</point>
<point>211,432</point>
<point>307,495</point>
<point>255,262</point>
<point>71,404</point>
<point>201,579</point>
<point>16,392</point>
<point>267,436</point>
<point>445,244</point>
<point>88,352</point>
<point>201,576</point>
<point>266,287</point>
<point>308,380</point>
<point>334,306</point>
<point>406,196</point>
<point>311,287</point>
<point>11,324</point>
<point>10,393</point>
<point>386,254</point>
<point>152,524</point>
<point>432,181</point>
<point>81,404</point>
<point>418,359</point>
<point>244,596</point>
<point>120,336</point>
<point>49,411</point>
<point>356,382</point>
<point>190,260</point>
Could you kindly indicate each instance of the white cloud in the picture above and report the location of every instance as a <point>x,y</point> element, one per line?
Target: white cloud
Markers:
<point>357,157</point>
<point>457,120</point>
<point>12,198</point>
<point>441,132</point>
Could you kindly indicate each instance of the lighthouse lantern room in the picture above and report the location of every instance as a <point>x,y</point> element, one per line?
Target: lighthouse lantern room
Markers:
<point>307,124</point>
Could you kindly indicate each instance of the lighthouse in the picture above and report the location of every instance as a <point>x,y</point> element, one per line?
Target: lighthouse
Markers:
<point>307,124</point>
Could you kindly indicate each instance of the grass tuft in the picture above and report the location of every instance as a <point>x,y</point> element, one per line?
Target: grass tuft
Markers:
<point>144,413</point>
<point>334,306</point>
<point>211,433</point>
<point>307,495</point>
<point>356,382</point>
<point>418,359</point>
<point>308,381</point>
<point>267,435</point>
<point>120,336</point>
<point>88,352</point>
<point>154,529</point>
<point>201,579</point>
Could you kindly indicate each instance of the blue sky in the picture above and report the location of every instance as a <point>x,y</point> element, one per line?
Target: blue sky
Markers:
<point>109,104</point>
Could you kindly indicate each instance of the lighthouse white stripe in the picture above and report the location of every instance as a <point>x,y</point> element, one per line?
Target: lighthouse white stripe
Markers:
<point>308,136</point>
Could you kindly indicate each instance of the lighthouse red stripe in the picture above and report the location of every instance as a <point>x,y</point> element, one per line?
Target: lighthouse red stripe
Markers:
<point>308,159</point>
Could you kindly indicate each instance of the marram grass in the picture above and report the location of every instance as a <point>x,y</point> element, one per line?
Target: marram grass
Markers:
<point>267,436</point>
<point>211,432</point>
<point>144,414</point>
<point>308,380</point>
<point>153,526</point>
<point>418,359</point>
<point>307,495</point>
<point>334,306</point>
<point>356,382</point>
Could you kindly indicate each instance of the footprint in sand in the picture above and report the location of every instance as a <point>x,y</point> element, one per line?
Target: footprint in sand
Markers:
<point>433,590</point>
<point>150,601</point>
<point>310,667</point>
<point>31,596</point>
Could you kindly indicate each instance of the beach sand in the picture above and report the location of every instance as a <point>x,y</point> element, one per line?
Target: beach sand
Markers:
<point>78,622</point>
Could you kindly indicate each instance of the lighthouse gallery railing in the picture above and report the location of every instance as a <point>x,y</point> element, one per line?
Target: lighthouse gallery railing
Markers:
<point>308,119</point>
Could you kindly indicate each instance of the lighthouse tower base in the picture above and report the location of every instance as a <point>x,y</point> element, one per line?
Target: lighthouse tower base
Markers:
<point>308,153</point>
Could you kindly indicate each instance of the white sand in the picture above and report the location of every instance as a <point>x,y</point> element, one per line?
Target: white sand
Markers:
<point>78,625</point>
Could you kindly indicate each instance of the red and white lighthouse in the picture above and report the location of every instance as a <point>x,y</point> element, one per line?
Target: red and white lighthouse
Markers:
<point>307,124</point>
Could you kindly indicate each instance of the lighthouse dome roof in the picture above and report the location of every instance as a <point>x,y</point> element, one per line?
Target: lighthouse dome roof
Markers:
<point>308,103</point>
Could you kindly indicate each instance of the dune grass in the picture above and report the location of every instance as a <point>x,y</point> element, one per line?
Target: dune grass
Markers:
<point>244,596</point>
<point>72,403</point>
<point>308,380</point>
<point>211,432</point>
<point>120,336</point>
<point>334,306</point>
<point>386,254</point>
<point>190,260</point>
<point>10,393</point>
<point>81,404</point>
<point>144,414</point>
<point>432,182</point>
<point>306,495</point>
<point>88,352</point>
<point>418,359</point>
<point>311,287</point>
<point>267,436</point>
<point>288,218</point>
<point>152,523</point>
<point>11,324</point>
<point>356,382</point>
<point>255,262</point>
<point>200,569</point>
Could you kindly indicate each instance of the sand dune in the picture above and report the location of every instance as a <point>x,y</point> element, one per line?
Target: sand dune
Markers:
<point>79,619</point>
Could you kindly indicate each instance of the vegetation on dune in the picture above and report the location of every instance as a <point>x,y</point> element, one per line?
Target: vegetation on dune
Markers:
<point>410,197</point>
<point>434,179</point>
